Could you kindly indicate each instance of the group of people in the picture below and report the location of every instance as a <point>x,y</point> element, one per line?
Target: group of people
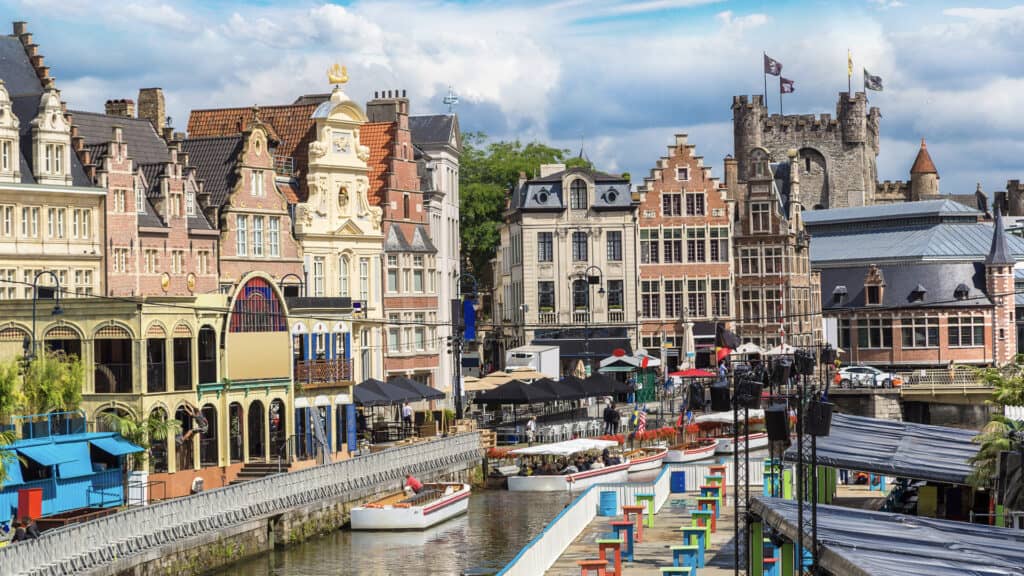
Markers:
<point>26,529</point>
<point>561,466</point>
<point>612,419</point>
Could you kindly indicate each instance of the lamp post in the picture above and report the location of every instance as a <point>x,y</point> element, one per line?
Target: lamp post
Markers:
<point>585,275</point>
<point>456,341</point>
<point>30,345</point>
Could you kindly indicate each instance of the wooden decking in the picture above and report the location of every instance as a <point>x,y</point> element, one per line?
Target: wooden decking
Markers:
<point>654,551</point>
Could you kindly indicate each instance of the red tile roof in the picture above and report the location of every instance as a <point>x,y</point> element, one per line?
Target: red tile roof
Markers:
<point>289,191</point>
<point>923,163</point>
<point>380,138</point>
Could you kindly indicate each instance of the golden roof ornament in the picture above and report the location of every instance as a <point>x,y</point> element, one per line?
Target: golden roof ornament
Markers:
<point>337,74</point>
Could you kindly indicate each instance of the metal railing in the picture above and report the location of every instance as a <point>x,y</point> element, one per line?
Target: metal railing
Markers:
<point>616,316</point>
<point>113,378</point>
<point>544,550</point>
<point>81,548</point>
<point>580,317</point>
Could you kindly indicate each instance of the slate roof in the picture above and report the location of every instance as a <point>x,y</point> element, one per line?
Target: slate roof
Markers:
<point>15,69</point>
<point>395,240</point>
<point>214,159</point>
<point>379,137</point>
<point>923,163</point>
<point>311,99</point>
<point>547,193</point>
<point>432,129</point>
<point>421,241</point>
<point>25,108</point>
<point>965,242</point>
<point>145,146</point>
<point>596,175</point>
<point>899,210</point>
<point>940,280</point>
<point>999,253</point>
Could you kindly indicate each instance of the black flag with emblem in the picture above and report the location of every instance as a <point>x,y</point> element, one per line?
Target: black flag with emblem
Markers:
<point>872,82</point>
<point>772,66</point>
<point>785,85</point>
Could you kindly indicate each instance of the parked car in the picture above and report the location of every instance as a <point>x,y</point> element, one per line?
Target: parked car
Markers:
<point>867,376</point>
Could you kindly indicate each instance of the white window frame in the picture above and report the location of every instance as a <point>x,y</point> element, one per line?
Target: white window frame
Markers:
<point>257,236</point>
<point>343,275</point>
<point>364,279</point>
<point>242,235</point>
<point>274,236</point>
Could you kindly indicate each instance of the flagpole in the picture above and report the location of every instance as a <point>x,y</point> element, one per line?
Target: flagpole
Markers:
<point>780,94</point>
<point>764,74</point>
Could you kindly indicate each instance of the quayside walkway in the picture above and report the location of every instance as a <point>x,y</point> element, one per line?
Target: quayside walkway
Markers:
<point>167,537</point>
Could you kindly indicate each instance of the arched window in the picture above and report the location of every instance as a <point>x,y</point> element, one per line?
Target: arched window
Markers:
<point>343,276</point>
<point>158,448</point>
<point>257,309</point>
<point>578,195</point>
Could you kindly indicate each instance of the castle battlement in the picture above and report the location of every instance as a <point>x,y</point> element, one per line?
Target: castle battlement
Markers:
<point>744,101</point>
<point>801,122</point>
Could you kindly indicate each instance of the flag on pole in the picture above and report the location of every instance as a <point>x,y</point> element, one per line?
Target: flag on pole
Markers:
<point>849,64</point>
<point>772,66</point>
<point>785,85</point>
<point>641,421</point>
<point>725,342</point>
<point>872,82</point>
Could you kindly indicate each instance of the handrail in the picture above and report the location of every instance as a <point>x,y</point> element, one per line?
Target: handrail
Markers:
<point>80,547</point>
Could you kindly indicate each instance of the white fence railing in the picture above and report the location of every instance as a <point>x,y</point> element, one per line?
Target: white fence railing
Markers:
<point>78,548</point>
<point>544,550</point>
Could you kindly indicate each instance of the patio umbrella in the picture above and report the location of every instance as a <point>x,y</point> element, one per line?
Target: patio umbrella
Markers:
<point>391,393</point>
<point>515,392</point>
<point>781,350</point>
<point>420,389</point>
<point>598,384</point>
<point>560,390</point>
<point>525,373</point>
<point>471,384</point>
<point>366,397</point>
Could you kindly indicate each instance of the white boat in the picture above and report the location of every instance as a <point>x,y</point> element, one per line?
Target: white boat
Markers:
<point>568,482</point>
<point>646,459</point>
<point>701,449</point>
<point>434,504</point>
<point>756,440</point>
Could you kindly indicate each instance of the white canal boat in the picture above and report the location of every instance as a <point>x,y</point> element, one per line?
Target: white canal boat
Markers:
<point>574,482</point>
<point>756,440</point>
<point>701,449</point>
<point>646,459</point>
<point>723,433</point>
<point>434,504</point>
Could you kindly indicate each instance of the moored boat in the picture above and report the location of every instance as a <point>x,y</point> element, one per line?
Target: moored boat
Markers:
<point>756,440</point>
<point>646,458</point>
<point>435,503</point>
<point>574,481</point>
<point>719,426</point>
<point>699,449</point>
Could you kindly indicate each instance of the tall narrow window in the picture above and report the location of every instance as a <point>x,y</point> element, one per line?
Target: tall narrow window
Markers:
<point>190,203</point>
<point>580,295</point>
<point>5,155</point>
<point>405,207</point>
<point>546,295</point>
<point>242,235</point>
<point>8,220</point>
<point>257,235</point>
<point>720,244</point>
<point>696,245</point>
<point>615,294</point>
<point>579,246</point>
<point>672,240</point>
<point>392,285</point>
<point>672,205</point>
<point>61,222</point>
<point>673,291</point>
<point>650,297</point>
<point>649,246</point>
<point>365,363</point>
<point>760,219</point>
<point>274,236</point>
<point>318,276</point>
<point>35,222</point>
<point>257,183</point>
<point>48,159</point>
<point>140,199</point>
<point>86,230</point>
<point>76,217</point>
<point>417,273</point>
<point>545,247</point>
<point>364,279</point>
<point>578,195</point>
<point>695,204</point>
<point>697,298</point>
<point>58,159</point>
<point>614,238</point>
<point>343,276</point>
<point>719,297</point>
<point>51,221</point>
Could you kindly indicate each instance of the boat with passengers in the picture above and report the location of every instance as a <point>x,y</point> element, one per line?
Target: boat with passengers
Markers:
<point>719,425</point>
<point>572,465</point>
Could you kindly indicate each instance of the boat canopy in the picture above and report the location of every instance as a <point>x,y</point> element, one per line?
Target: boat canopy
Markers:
<point>567,448</point>
<point>726,417</point>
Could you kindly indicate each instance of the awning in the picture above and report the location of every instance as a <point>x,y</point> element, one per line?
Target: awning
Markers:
<point>617,369</point>
<point>857,542</point>
<point>116,446</point>
<point>81,462</point>
<point>894,448</point>
<point>703,330</point>
<point>45,454</point>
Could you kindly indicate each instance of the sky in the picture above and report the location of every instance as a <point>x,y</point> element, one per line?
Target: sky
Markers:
<point>616,78</point>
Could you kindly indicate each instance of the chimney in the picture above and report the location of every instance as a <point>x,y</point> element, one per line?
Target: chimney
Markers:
<point>388,107</point>
<point>152,107</point>
<point>124,107</point>
<point>20,27</point>
<point>549,169</point>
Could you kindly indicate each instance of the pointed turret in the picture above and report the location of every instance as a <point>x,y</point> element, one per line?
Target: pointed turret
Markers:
<point>923,163</point>
<point>999,254</point>
<point>924,178</point>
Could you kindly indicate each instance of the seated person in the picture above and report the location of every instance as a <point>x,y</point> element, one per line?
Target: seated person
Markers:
<point>570,469</point>
<point>413,484</point>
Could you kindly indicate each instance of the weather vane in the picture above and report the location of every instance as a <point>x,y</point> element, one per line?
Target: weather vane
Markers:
<point>337,74</point>
<point>451,99</point>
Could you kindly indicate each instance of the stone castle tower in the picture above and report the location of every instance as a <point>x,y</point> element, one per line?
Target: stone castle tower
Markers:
<point>837,154</point>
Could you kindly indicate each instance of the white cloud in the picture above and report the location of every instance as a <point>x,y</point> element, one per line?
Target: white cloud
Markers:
<point>1000,15</point>
<point>649,6</point>
<point>741,23</point>
<point>885,4</point>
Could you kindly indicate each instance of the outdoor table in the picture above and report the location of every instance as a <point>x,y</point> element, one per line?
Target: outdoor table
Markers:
<point>685,555</point>
<point>689,534</point>
<point>710,503</point>
<point>615,544</point>
<point>649,498</point>
<point>627,526</point>
<point>639,511</point>
<point>719,469</point>
<point>714,479</point>
<point>703,518</point>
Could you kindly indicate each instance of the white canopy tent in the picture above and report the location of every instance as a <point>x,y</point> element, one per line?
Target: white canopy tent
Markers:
<point>566,448</point>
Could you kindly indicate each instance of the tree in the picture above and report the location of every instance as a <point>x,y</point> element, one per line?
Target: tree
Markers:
<point>10,390</point>
<point>999,434</point>
<point>52,383</point>
<point>142,433</point>
<point>7,457</point>
<point>486,171</point>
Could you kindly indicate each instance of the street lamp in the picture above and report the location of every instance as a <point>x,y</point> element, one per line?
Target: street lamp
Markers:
<point>591,280</point>
<point>30,343</point>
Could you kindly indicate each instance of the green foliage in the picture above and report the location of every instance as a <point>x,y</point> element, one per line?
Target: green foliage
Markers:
<point>1007,385</point>
<point>141,432</point>
<point>10,390</point>
<point>486,170</point>
<point>52,383</point>
<point>7,458</point>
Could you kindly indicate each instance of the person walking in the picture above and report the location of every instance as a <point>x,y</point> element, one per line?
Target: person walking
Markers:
<point>608,418</point>
<point>406,417</point>
<point>531,430</point>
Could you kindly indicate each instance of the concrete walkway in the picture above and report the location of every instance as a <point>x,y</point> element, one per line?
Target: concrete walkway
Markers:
<point>654,551</point>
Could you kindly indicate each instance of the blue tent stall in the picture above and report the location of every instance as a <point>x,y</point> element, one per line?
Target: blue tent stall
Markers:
<point>74,471</point>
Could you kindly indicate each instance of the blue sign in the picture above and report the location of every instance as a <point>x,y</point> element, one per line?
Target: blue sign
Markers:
<point>469,317</point>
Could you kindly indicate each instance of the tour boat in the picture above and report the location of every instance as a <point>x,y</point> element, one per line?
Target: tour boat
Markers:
<point>700,449</point>
<point>568,482</point>
<point>724,434</point>
<point>434,504</point>
<point>756,440</point>
<point>646,458</point>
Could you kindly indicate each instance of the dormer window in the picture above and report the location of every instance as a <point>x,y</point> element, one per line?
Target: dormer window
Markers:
<point>839,295</point>
<point>918,293</point>
<point>961,292</point>
<point>874,286</point>
<point>578,195</point>
<point>611,195</point>
<point>873,295</point>
<point>542,196</point>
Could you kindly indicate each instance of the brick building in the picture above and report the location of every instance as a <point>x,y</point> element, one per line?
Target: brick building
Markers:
<point>777,292</point>
<point>918,284</point>
<point>685,258</point>
<point>410,271</point>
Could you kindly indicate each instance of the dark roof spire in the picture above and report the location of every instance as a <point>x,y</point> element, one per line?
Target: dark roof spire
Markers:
<point>999,254</point>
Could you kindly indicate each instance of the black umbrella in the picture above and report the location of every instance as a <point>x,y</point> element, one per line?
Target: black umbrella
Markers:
<point>598,384</point>
<point>366,397</point>
<point>576,384</point>
<point>421,390</point>
<point>560,390</point>
<point>392,394</point>
<point>515,392</point>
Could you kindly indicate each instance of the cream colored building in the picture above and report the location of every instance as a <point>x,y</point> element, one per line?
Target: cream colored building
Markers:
<point>50,211</point>
<point>340,231</point>
<point>568,265</point>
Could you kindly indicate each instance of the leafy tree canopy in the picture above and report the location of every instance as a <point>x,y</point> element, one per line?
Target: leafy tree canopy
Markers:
<point>486,170</point>
<point>999,434</point>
